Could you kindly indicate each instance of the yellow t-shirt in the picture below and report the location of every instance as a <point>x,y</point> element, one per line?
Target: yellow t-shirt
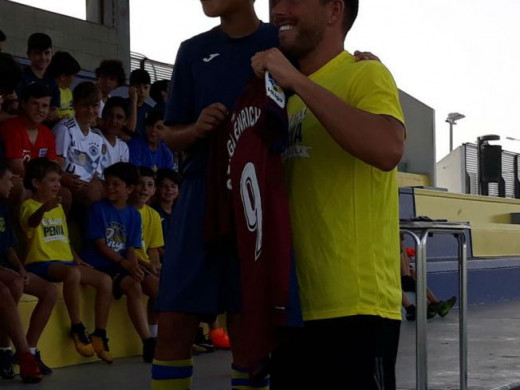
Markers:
<point>344,212</point>
<point>65,110</point>
<point>50,239</point>
<point>152,231</point>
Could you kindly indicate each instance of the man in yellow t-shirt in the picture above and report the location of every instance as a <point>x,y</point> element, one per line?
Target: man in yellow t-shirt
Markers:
<point>346,138</point>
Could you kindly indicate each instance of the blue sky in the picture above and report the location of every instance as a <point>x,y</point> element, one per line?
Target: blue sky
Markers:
<point>453,55</point>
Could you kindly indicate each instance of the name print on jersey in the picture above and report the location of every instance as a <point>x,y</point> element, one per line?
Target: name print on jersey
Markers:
<point>249,188</point>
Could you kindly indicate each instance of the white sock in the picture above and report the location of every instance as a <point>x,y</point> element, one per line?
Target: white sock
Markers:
<point>6,349</point>
<point>32,350</point>
<point>153,330</point>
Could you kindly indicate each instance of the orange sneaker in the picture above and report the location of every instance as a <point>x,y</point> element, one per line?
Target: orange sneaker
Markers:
<point>220,338</point>
<point>29,368</point>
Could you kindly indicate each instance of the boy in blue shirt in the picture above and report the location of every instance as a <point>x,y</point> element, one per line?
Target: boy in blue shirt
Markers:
<point>115,234</point>
<point>151,150</point>
<point>137,94</point>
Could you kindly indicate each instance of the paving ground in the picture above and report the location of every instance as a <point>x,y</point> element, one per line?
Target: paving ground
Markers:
<point>493,360</point>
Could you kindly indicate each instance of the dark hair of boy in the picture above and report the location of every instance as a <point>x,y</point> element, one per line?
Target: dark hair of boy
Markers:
<point>116,101</point>
<point>38,168</point>
<point>39,41</point>
<point>4,168</point>
<point>157,89</point>
<point>10,73</point>
<point>2,36</point>
<point>168,174</point>
<point>36,91</point>
<point>63,63</point>
<point>139,76</point>
<point>86,93</point>
<point>146,172</point>
<point>112,68</point>
<point>124,171</point>
<point>154,116</point>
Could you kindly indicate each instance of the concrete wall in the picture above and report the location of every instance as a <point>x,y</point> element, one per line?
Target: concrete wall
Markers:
<point>88,42</point>
<point>419,154</point>
<point>451,173</point>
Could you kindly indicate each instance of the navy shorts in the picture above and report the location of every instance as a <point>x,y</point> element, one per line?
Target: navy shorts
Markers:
<point>192,280</point>
<point>42,268</point>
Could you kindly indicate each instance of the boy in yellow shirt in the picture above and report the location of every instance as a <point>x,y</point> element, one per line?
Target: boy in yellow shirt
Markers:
<point>152,237</point>
<point>50,256</point>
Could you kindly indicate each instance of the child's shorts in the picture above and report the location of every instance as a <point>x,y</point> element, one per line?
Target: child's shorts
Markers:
<point>192,280</point>
<point>42,268</point>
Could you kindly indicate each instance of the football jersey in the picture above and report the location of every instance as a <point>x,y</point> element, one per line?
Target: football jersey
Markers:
<point>82,153</point>
<point>112,154</point>
<point>18,145</point>
<point>253,172</point>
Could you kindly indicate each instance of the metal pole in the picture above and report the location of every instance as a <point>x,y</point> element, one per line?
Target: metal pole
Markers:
<point>463,311</point>
<point>451,136</point>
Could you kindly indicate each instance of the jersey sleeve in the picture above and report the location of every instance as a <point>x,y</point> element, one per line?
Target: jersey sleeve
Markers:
<point>62,137</point>
<point>374,90</point>
<point>180,106</point>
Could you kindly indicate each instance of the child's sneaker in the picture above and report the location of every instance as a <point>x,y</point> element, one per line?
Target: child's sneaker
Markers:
<point>29,369</point>
<point>6,364</point>
<point>45,370</point>
<point>100,345</point>
<point>410,313</point>
<point>82,343</point>
<point>149,349</point>
<point>220,338</point>
<point>444,307</point>
<point>202,343</point>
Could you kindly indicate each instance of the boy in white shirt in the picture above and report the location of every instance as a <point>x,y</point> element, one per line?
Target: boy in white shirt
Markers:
<point>114,117</point>
<point>79,149</point>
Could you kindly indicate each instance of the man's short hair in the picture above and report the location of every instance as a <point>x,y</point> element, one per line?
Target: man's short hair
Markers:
<point>112,68</point>
<point>86,92</point>
<point>63,63</point>
<point>124,171</point>
<point>39,41</point>
<point>139,76</point>
<point>350,15</point>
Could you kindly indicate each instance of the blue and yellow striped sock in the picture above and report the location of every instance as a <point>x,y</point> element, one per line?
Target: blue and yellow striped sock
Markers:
<point>172,374</point>
<point>240,380</point>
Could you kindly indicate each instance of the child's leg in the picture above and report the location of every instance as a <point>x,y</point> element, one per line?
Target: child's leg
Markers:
<point>150,287</point>
<point>13,281</point>
<point>11,320</point>
<point>71,277</point>
<point>29,370</point>
<point>103,285</point>
<point>134,295</point>
<point>134,301</point>
<point>47,295</point>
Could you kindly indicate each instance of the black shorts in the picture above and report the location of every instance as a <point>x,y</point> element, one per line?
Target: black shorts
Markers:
<point>407,283</point>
